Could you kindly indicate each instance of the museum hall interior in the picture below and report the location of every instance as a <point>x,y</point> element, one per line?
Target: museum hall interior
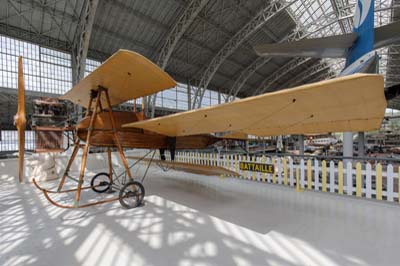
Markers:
<point>198,132</point>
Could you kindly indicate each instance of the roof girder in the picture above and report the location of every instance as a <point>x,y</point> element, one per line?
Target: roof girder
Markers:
<point>262,17</point>
<point>81,41</point>
<point>299,33</point>
<point>180,27</point>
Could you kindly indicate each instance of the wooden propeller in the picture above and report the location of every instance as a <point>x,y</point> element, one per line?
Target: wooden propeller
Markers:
<point>20,120</point>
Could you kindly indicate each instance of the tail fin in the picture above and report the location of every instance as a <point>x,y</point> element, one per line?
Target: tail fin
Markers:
<point>364,27</point>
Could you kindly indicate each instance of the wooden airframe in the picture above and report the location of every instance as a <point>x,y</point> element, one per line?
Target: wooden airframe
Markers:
<point>124,76</point>
<point>350,103</point>
<point>343,104</point>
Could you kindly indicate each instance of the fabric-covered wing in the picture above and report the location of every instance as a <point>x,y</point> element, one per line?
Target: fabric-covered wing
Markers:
<point>350,103</point>
<point>127,75</point>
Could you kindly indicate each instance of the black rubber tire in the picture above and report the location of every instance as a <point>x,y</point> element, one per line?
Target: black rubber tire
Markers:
<point>127,193</point>
<point>104,186</point>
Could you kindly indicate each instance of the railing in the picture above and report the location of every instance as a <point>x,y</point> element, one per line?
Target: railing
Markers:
<point>377,180</point>
<point>9,140</point>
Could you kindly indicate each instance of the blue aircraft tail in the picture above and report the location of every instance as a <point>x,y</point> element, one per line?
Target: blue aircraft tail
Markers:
<point>364,28</point>
<point>353,46</point>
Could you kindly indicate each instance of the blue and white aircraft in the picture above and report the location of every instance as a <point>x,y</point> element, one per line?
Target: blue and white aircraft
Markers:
<point>357,47</point>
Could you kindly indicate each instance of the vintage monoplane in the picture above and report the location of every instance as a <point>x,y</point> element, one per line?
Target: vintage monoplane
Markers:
<point>351,103</point>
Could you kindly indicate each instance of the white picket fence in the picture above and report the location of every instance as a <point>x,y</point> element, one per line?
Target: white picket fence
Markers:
<point>373,181</point>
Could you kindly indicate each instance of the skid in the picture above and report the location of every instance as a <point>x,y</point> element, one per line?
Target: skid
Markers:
<point>92,112</point>
<point>58,192</point>
<point>47,192</point>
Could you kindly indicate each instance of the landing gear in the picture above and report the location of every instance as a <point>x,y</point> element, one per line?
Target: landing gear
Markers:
<point>101,182</point>
<point>131,195</point>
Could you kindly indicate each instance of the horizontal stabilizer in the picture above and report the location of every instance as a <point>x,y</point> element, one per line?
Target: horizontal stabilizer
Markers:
<point>326,47</point>
<point>387,35</point>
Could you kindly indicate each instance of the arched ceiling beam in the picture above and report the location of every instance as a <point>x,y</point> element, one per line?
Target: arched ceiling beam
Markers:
<point>180,27</point>
<point>266,85</point>
<point>322,76</point>
<point>30,7</point>
<point>338,7</point>
<point>43,40</point>
<point>245,75</point>
<point>132,42</point>
<point>220,28</point>
<point>31,36</point>
<point>344,11</point>
<point>262,17</point>
<point>304,75</point>
<point>80,45</point>
<point>21,14</point>
<point>250,14</point>
<point>155,23</point>
<point>326,21</point>
<point>46,41</point>
<point>151,21</point>
<point>299,33</point>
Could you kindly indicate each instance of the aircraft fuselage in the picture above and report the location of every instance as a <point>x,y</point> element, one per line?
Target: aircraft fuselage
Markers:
<point>136,138</point>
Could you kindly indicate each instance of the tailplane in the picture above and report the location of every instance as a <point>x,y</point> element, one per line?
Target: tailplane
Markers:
<point>351,46</point>
<point>326,47</point>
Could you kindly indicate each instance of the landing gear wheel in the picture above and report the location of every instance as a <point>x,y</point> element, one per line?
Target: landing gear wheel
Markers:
<point>131,195</point>
<point>101,182</point>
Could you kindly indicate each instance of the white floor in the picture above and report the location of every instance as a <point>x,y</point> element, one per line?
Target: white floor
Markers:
<point>197,220</point>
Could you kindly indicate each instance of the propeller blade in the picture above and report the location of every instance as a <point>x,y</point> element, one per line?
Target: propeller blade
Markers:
<point>21,153</point>
<point>20,120</point>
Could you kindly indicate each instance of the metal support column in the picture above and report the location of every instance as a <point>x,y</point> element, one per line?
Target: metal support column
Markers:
<point>347,145</point>
<point>279,143</point>
<point>361,144</point>
<point>80,45</point>
<point>301,144</point>
<point>189,95</point>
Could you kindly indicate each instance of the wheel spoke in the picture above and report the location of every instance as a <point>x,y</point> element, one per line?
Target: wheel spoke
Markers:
<point>101,182</point>
<point>129,197</point>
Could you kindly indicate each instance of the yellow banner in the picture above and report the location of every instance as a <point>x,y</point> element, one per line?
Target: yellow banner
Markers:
<point>257,167</point>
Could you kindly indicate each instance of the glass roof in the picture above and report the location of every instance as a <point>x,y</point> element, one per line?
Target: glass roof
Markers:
<point>320,18</point>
